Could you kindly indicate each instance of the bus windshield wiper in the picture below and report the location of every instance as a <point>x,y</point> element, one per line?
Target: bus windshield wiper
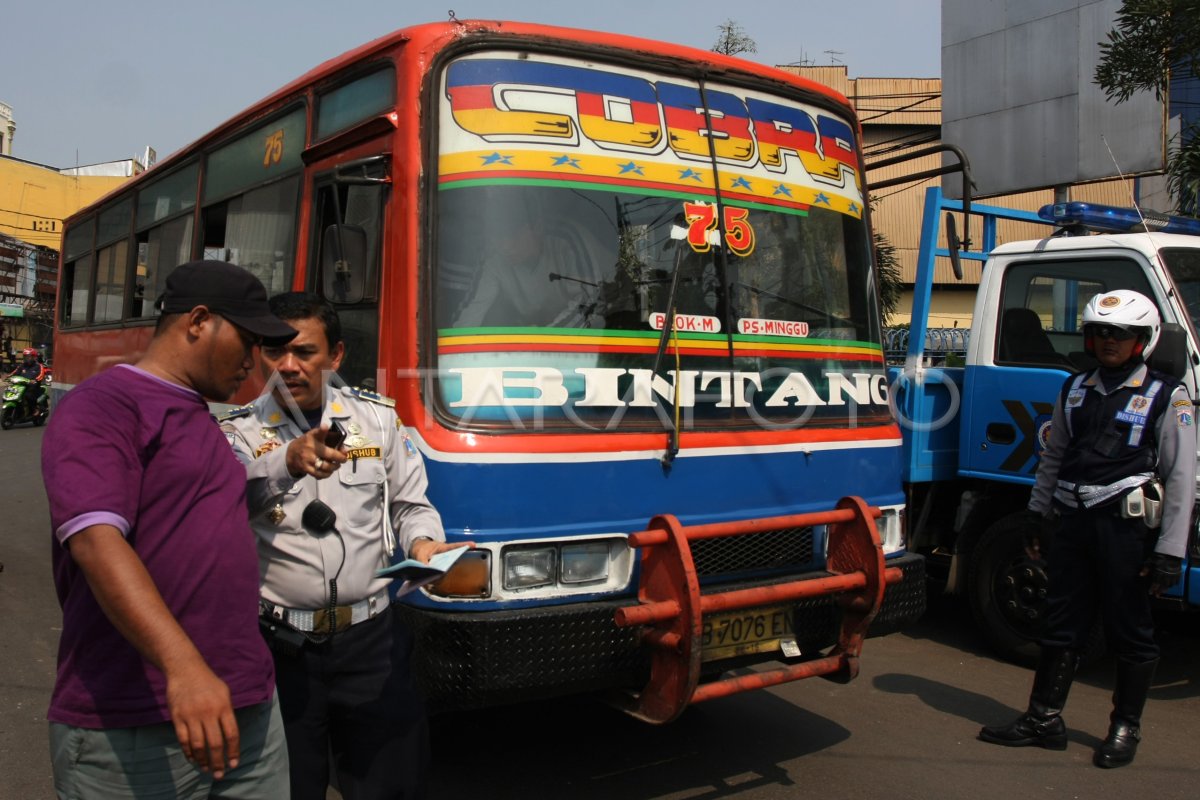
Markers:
<point>679,234</point>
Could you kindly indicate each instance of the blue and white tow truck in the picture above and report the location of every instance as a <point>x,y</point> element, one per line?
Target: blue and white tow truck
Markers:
<point>974,433</point>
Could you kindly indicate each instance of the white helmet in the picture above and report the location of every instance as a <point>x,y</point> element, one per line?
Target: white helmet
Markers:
<point>1129,310</point>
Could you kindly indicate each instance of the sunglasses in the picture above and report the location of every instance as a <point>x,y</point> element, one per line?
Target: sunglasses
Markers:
<point>1109,332</point>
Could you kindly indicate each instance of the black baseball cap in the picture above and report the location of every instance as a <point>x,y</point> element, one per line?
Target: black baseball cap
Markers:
<point>228,290</point>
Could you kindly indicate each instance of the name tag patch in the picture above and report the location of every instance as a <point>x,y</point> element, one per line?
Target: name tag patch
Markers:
<point>1138,404</point>
<point>365,452</point>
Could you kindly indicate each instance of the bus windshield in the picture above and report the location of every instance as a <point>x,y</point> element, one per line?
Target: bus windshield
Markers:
<point>576,209</point>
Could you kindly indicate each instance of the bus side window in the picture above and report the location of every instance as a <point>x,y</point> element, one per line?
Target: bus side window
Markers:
<point>159,250</point>
<point>255,230</point>
<point>76,292</point>
<point>344,263</point>
<point>349,225</point>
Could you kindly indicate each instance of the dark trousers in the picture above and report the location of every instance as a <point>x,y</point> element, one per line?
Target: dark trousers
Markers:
<point>355,697</point>
<point>1093,566</point>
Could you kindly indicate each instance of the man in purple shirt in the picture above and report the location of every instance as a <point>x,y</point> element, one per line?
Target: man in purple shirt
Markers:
<point>164,686</point>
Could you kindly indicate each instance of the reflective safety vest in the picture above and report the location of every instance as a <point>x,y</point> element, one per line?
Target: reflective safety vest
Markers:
<point>1112,447</point>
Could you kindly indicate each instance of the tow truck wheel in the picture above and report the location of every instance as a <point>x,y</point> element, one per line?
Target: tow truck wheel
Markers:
<point>1008,594</point>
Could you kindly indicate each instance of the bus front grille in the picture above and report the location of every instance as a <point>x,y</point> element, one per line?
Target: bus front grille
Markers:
<point>788,549</point>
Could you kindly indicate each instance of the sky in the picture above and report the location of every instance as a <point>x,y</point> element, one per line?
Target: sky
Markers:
<point>92,81</point>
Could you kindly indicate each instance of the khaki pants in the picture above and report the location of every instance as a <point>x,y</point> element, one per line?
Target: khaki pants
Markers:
<point>146,763</point>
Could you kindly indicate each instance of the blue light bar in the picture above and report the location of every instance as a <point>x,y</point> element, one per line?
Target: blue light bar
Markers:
<point>1116,220</point>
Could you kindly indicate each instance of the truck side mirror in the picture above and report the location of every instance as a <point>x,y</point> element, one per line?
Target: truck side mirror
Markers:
<point>344,263</point>
<point>1171,355</point>
<point>953,244</point>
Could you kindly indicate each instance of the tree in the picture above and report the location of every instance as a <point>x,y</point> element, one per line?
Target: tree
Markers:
<point>1153,42</point>
<point>732,40</point>
<point>887,270</point>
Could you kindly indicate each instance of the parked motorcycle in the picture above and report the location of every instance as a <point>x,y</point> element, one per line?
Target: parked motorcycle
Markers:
<point>17,410</point>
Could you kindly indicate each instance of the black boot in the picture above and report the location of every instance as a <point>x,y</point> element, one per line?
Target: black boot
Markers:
<point>1042,725</point>
<point>1124,729</point>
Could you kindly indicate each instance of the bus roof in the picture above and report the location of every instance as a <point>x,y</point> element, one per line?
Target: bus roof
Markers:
<point>431,38</point>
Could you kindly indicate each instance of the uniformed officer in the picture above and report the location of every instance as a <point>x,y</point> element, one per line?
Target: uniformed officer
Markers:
<point>341,655</point>
<point>1119,467</point>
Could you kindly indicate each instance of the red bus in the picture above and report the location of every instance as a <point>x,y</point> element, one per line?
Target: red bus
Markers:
<point>623,295</point>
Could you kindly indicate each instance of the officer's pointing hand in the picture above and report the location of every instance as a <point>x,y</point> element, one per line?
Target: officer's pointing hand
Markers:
<point>308,455</point>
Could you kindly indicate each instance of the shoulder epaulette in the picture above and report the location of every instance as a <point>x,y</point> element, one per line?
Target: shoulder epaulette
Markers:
<point>234,413</point>
<point>372,397</point>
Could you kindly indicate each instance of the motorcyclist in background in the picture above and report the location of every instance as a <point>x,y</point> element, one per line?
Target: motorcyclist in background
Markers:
<point>33,369</point>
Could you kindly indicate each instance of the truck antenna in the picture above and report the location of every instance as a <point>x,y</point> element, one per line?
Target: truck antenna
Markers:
<point>1132,197</point>
<point>1136,206</point>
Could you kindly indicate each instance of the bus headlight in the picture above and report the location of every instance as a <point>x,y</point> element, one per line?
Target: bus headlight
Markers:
<point>584,563</point>
<point>529,567</point>
<point>533,569</point>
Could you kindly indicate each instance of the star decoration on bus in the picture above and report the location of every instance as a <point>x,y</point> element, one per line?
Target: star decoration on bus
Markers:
<point>567,161</point>
<point>854,208</point>
<point>780,189</point>
<point>631,166</point>
<point>496,158</point>
<point>685,174</point>
<point>741,183</point>
<point>821,198</point>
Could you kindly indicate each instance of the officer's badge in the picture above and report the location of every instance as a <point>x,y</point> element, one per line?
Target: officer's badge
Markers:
<point>266,447</point>
<point>268,433</point>
<point>276,514</point>
<point>1138,404</point>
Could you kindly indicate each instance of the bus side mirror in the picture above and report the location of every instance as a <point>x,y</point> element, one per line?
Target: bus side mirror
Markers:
<point>344,263</point>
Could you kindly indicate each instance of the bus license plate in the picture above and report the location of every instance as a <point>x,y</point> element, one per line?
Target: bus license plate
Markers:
<point>752,630</point>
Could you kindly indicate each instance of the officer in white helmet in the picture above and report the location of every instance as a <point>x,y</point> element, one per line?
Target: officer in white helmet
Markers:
<point>1119,471</point>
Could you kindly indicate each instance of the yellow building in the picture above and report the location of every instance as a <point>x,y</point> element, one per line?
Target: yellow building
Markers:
<point>34,201</point>
<point>903,115</point>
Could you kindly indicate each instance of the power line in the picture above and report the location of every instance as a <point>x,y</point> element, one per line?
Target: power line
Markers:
<point>913,185</point>
<point>27,214</point>
<point>889,146</point>
<point>899,109</point>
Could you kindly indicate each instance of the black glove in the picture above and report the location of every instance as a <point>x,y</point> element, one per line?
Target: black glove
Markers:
<point>1035,530</point>
<point>1164,572</point>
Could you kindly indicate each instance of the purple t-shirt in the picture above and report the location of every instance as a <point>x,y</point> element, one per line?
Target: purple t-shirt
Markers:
<point>128,449</point>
